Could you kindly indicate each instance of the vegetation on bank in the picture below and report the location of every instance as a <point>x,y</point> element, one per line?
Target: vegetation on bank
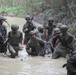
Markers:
<point>62,10</point>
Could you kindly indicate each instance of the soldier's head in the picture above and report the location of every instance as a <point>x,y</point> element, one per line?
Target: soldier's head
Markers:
<point>32,34</point>
<point>14,27</point>
<point>56,31</point>
<point>28,18</point>
<point>41,29</point>
<point>50,20</point>
<point>2,19</point>
<point>64,29</point>
<point>46,28</point>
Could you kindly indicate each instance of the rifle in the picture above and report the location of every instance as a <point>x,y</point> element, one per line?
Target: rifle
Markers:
<point>7,23</point>
<point>5,46</point>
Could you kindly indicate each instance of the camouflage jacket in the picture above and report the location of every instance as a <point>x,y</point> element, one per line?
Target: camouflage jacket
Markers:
<point>15,38</point>
<point>35,45</point>
<point>29,26</point>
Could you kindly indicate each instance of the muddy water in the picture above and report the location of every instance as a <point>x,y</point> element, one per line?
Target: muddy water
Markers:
<point>27,65</point>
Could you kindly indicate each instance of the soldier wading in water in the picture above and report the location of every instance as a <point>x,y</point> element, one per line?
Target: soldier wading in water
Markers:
<point>15,37</point>
<point>35,45</point>
<point>64,43</point>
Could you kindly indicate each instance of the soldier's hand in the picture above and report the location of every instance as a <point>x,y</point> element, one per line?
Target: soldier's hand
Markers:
<point>26,29</point>
<point>4,42</point>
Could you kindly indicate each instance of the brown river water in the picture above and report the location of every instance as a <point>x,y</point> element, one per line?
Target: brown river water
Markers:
<point>27,65</point>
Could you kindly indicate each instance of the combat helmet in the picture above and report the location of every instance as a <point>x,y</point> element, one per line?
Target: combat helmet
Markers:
<point>64,28</point>
<point>32,33</point>
<point>40,29</point>
<point>57,30</point>
<point>51,19</point>
<point>14,27</point>
<point>2,18</point>
<point>28,17</point>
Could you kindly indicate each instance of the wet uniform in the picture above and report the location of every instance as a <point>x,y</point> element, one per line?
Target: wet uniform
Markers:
<point>35,47</point>
<point>14,40</point>
<point>62,48</point>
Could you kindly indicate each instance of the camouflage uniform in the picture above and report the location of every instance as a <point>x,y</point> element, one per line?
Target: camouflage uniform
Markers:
<point>71,65</point>
<point>30,26</point>
<point>14,39</point>
<point>55,35</point>
<point>65,41</point>
<point>35,46</point>
<point>1,43</point>
<point>40,32</point>
<point>3,32</point>
<point>50,26</point>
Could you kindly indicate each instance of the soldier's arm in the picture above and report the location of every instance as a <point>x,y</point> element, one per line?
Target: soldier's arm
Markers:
<point>72,37</point>
<point>42,42</point>
<point>9,35</point>
<point>57,41</point>
<point>1,38</point>
<point>5,32</point>
<point>21,38</point>
<point>25,28</point>
<point>28,47</point>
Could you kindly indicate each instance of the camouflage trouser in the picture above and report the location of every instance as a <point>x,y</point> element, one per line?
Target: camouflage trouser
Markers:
<point>56,54</point>
<point>13,50</point>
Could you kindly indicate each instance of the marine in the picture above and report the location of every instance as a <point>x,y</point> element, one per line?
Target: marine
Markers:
<point>50,25</point>
<point>15,38</point>
<point>3,32</point>
<point>35,46</point>
<point>64,43</point>
<point>28,26</point>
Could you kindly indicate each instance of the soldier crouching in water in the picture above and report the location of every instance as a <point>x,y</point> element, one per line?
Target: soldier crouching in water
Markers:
<point>35,45</point>
<point>15,37</point>
<point>64,43</point>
